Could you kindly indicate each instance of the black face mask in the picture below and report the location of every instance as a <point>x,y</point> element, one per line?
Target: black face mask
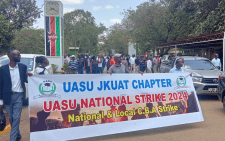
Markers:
<point>16,59</point>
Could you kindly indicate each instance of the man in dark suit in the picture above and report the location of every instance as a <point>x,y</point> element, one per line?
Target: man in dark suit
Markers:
<point>12,90</point>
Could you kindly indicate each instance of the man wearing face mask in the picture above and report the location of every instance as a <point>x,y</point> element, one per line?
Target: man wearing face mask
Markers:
<point>12,89</point>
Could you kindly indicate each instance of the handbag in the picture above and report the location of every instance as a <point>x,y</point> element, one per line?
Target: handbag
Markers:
<point>2,120</point>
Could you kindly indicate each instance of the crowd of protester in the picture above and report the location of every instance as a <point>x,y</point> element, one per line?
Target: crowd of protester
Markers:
<point>98,64</point>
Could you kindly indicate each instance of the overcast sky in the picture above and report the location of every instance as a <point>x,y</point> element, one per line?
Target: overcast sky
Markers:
<point>107,12</point>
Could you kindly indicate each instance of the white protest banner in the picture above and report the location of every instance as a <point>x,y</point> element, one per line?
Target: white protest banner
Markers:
<point>66,107</point>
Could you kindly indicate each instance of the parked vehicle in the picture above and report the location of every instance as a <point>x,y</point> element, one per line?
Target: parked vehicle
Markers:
<point>166,67</point>
<point>221,89</point>
<point>29,61</point>
<point>165,58</point>
<point>204,73</point>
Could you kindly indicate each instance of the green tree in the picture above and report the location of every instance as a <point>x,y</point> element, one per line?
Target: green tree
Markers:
<point>82,31</point>
<point>20,12</point>
<point>6,34</point>
<point>30,41</point>
<point>161,21</point>
<point>214,20</point>
<point>116,40</point>
<point>17,14</point>
<point>156,22</point>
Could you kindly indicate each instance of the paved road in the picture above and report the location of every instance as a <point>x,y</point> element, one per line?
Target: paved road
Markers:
<point>211,129</point>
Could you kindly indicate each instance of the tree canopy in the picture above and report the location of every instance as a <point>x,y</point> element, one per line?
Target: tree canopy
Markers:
<point>30,41</point>
<point>6,34</point>
<point>14,15</point>
<point>20,12</point>
<point>155,22</point>
<point>82,31</point>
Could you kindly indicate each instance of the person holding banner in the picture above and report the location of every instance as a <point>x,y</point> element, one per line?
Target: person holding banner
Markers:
<point>118,67</point>
<point>178,68</point>
<point>12,81</point>
<point>41,70</point>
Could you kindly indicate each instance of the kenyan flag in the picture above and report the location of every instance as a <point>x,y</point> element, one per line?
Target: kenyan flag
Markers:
<point>52,36</point>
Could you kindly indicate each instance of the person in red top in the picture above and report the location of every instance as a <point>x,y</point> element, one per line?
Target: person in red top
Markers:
<point>112,61</point>
<point>158,63</point>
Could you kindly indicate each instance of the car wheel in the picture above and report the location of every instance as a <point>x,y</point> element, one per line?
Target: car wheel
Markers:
<point>224,103</point>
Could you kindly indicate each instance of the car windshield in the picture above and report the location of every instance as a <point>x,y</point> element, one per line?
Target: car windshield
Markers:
<point>198,65</point>
<point>29,62</point>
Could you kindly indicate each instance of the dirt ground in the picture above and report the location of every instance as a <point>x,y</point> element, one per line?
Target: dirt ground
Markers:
<point>211,129</point>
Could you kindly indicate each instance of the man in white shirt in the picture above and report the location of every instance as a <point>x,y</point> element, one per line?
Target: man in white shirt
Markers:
<point>155,64</point>
<point>100,63</point>
<point>68,57</point>
<point>216,62</point>
<point>132,63</point>
<point>149,66</point>
<point>12,81</point>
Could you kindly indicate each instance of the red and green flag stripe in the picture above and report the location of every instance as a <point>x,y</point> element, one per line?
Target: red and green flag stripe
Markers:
<point>53,29</point>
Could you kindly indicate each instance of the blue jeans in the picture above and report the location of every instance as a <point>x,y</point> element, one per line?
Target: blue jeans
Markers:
<point>95,70</point>
<point>142,68</point>
<point>100,70</point>
<point>88,70</point>
<point>80,70</point>
<point>14,112</point>
<point>152,68</point>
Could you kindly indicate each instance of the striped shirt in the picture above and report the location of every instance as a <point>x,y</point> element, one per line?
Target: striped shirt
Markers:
<point>73,64</point>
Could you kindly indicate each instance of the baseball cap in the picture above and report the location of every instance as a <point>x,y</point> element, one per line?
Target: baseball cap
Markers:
<point>73,56</point>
